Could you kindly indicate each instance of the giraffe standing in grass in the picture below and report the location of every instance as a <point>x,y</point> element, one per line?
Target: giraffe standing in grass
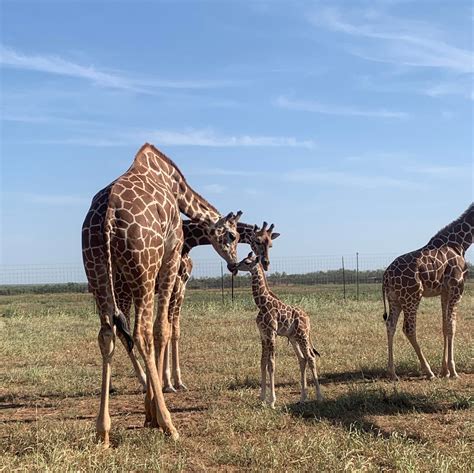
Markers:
<point>259,239</point>
<point>437,269</point>
<point>277,318</point>
<point>134,229</point>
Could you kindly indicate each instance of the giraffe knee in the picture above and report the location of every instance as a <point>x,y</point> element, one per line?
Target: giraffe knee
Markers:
<point>409,329</point>
<point>106,340</point>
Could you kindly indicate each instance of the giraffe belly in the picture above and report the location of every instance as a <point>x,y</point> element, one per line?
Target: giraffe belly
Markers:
<point>431,291</point>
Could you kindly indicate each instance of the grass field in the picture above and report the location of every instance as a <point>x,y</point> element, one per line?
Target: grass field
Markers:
<point>50,376</point>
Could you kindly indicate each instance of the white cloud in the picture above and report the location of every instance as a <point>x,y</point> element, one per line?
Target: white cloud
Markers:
<point>54,199</point>
<point>441,171</point>
<point>316,107</point>
<point>190,137</point>
<point>347,179</point>
<point>396,40</point>
<point>215,188</point>
<point>59,66</point>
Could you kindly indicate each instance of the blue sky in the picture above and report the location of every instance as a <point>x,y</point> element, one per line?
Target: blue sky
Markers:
<point>347,124</point>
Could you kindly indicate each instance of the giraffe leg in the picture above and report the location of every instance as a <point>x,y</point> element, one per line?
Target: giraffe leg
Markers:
<point>165,283</point>
<point>106,340</point>
<point>167,385</point>
<point>409,329</point>
<point>176,306</point>
<point>155,406</point>
<point>444,307</point>
<point>175,336</point>
<point>271,371</point>
<point>123,296</point>
<point>302,363</point>
<point>455,296</point>
<point>391,324</point>
<point>307,350</point>
<point>263,369</point>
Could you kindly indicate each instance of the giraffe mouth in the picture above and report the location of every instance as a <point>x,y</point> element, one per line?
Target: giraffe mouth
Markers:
<point>232,267</point>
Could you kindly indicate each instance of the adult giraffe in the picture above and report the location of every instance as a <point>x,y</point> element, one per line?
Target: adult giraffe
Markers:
<point>134,228</point>
<point>437,269</point>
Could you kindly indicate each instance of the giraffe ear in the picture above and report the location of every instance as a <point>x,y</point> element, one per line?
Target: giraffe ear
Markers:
<point>275,236</point>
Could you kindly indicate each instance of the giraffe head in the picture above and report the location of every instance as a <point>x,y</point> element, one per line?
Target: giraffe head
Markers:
<point>224,237</point>
<point>262,242</point>
<point>250,263</point>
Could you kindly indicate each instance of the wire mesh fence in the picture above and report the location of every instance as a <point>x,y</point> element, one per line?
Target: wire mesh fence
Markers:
<point>348,272</point>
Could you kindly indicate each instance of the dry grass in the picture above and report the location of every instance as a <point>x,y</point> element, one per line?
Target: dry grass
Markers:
<point>50,374</point>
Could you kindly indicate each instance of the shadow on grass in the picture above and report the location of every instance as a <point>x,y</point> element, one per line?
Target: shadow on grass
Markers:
<point>352,410</point>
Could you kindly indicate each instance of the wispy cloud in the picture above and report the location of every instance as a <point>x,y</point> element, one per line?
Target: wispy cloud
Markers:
<point>214,188</point>
<point>58,66</point>
<point>53,199</point>
<point>225,172</point>
<point>347,179</point>
<point>441,171</point>
<point>190,137</point>
<point>395,40</point>
<point>317,107</point>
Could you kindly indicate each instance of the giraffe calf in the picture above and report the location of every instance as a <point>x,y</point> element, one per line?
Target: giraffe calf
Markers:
<point>277,318</point>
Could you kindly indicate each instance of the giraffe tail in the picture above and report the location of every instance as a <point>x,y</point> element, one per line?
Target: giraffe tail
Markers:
<point>385,316</point>
<point>313,350</point>
<point>118,318</point>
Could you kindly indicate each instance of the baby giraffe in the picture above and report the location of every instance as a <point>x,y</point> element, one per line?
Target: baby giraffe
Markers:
<point>277,318</point>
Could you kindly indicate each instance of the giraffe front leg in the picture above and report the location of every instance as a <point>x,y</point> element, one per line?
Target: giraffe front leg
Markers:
<point>175,337</point>
<point>444,308</point>
<point>263,371</point>
<point>271,372</point>
<point>454,298</point>
<point>167,384</point>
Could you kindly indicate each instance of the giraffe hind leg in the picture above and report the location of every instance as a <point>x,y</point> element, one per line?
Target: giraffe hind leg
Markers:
<point>409,329</point>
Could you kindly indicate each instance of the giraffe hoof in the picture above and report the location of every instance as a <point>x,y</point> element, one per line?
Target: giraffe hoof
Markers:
<point>172,433</point>
<point>393,377</point>
<point>430,376</point>
<point>444,374</point>
<point>454,376</point>
<point>169,389</point>
<point>181,387</point>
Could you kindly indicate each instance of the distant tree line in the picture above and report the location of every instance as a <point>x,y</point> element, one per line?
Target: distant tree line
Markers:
<point>337,276</point>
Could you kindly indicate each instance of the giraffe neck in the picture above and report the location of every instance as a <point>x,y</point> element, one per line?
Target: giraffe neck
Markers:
<point>457,234</point>
<point>260,290</point>
<point>194,234</point>
<point>189,201</point>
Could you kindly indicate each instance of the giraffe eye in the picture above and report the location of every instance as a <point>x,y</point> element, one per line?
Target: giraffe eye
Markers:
<point>232,237</point>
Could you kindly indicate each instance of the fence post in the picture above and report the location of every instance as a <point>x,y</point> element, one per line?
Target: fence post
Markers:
<point>222,283</point>
<point>232,288</point>
<point>343,278</point>
<point>357,274</point>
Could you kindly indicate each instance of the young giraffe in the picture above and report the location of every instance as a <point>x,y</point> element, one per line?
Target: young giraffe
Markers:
<point>134,227</point>
<point>437,269</point>
<point>277,318</point>
<point>260,240</point>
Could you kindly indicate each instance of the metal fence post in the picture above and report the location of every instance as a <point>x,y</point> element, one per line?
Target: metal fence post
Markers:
<point>222,283</point>
<point>357,274</point>
<point>343,278</point>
